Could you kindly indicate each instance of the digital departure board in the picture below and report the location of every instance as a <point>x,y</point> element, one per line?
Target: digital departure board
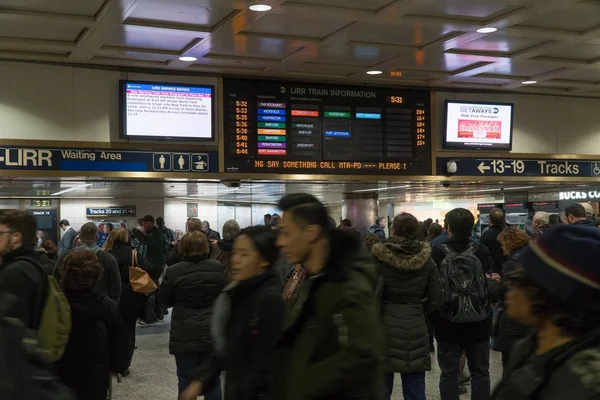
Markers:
<point>300,128</point>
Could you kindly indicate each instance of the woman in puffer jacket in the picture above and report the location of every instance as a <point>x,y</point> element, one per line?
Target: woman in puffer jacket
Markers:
<point>409,289</point>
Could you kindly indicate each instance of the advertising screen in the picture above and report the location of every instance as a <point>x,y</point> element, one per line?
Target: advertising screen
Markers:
<point>162,111</point>
<point>485,126</point>
<point>304,128</point>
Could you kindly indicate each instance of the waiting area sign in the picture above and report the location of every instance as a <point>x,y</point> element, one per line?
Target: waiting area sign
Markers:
<point>485,167</point>
<point>106,160</point>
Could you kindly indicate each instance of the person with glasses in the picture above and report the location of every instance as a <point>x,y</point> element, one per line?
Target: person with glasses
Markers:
<point>21,271</point>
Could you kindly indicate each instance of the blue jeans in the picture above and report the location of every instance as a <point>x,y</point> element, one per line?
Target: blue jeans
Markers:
<point>478,359</point>
<point>413,385</point>
<point>186,366</point>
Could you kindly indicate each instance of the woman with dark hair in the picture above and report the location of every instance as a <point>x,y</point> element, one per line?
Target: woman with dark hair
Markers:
<point>555,219</point>
<point>98,344</point>
<point>131,304</point>
<point>51,250</point>
<point>191,287</point>
<point>513,241</point>
<point>247,319</point>
<point>409,289</point>
<point>435,230</point>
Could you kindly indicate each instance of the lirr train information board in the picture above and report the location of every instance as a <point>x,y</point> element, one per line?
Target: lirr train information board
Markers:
<point>300,128</point>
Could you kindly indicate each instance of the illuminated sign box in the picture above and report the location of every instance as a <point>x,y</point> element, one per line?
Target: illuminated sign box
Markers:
<point>125,211</point>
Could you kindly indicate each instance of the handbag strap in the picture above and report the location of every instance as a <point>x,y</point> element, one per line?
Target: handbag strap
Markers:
<point>134,259</point>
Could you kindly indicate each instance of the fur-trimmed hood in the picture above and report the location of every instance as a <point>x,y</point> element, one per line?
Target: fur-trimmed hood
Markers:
<point>402,253</point>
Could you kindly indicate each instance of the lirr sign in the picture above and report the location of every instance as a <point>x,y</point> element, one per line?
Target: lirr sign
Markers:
<point>93,160</point>
<point>467,166</point>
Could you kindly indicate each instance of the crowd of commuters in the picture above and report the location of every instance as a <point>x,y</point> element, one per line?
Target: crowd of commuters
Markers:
<point>299,309</point>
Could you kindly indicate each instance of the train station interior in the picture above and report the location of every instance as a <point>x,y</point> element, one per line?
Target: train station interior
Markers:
<point>111,110</point>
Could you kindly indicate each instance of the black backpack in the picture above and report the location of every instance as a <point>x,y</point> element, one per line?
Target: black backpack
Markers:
<point>464,284</point>
<point>24,372</point>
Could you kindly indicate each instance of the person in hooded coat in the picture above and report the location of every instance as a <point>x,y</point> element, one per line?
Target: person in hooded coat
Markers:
<point>98,344</point>
<point>409,288</point>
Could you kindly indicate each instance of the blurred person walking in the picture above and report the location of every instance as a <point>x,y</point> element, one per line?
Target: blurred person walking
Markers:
<point>556,291</point>
<point>191,288</point>
<point>330,344</point>
<point>98,344</point>
<point>131,304</point>
<point>409,289</point>
<point>246,321</point>
<point>221,251</point>
<point>508,332</point>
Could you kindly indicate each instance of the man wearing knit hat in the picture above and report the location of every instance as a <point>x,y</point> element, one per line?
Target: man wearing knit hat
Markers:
<point>556,292</point>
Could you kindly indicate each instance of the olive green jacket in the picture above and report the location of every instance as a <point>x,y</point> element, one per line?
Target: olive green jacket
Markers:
<point>330,344</point>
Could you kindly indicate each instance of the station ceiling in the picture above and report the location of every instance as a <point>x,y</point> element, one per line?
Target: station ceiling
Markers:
<point>266,192</point>
<point>431,43</point>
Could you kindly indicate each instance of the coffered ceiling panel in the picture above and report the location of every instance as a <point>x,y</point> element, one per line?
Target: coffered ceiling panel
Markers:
<point>480,9</point>
<point>576,17</point>
<point>412,33</point>
<point>499,43</point>
<point>370,5</point>
<point>70,7</point>
<point>200,13</point>
<point>290,25</point>
<point>429,43</point>
<point>123,38</point>
<point>39,30</point>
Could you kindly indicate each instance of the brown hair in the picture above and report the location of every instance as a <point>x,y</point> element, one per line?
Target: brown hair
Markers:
<point>116,235</point>
<point>512,239</point>
<point>194,225</point>
<point>50,247</point>
<point>81,270</point>
<point>193,245</point>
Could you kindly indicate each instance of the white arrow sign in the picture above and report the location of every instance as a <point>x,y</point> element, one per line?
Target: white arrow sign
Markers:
<point>482,167</point>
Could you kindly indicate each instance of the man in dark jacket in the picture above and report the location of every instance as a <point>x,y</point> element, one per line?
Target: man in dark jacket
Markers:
<point>110,280</point>
<point>167,232</point>
<point>489,238</point>
<point>576,215</point>
<point>330,344</point>
<point>21,272</point>
<point>556,292</point>
<point>379,227</point>
<point>540,223</point>
<point>454,338</point>
<point>210,234</point>
<point>66,241</point>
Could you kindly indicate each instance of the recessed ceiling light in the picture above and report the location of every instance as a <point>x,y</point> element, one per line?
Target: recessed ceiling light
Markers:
<point>187,58</point>
<point>528,82</point>
<point>374,72</point>
<point>487,29</point>
<point>260,7</point>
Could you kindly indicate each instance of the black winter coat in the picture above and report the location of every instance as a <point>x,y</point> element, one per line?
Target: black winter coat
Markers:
<point>152,250</point>
<point>250,315</point>
<point>509,331</point>
<point>98,345</point>
<point>191,288</point>
<point>568,372</point>
<point>411,290</point>
<point>130,302</point>
<point>489,238</point>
